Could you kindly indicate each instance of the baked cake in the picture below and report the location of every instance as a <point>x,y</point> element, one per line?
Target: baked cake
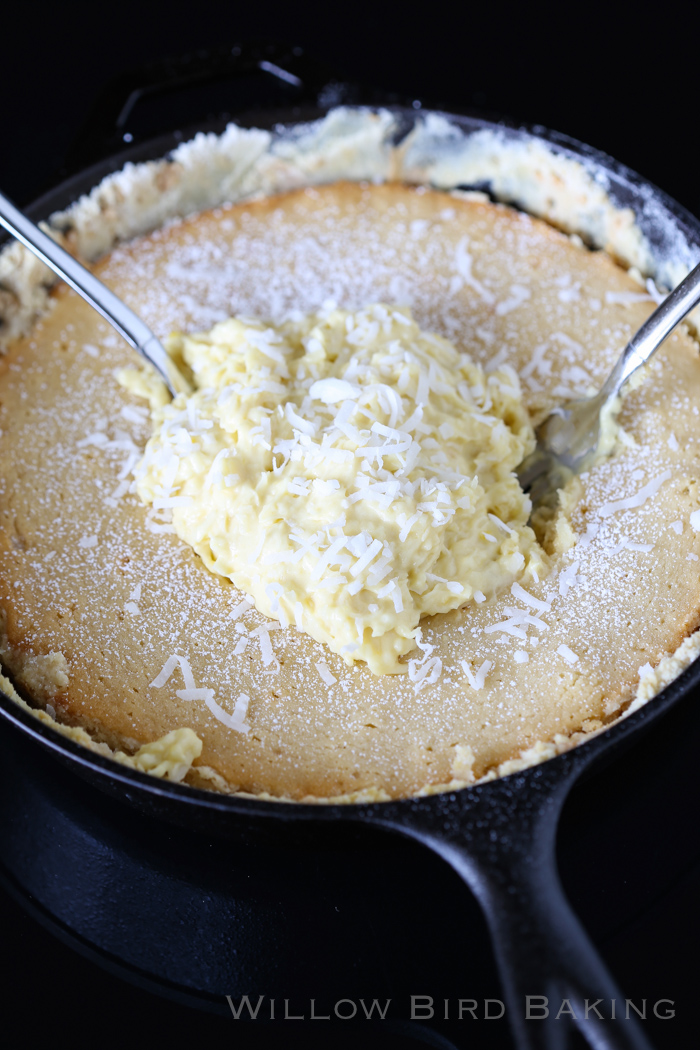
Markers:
<point>115,626</point>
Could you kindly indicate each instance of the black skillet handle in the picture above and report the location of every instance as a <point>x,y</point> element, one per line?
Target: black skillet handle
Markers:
<point>204,86</point>
<point>500,838</point>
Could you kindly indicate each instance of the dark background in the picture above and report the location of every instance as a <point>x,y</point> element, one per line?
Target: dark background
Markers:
<point>617,78</point>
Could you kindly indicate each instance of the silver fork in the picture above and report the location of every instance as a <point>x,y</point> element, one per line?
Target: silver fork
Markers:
<point>129,326</point>
<point>569,439</point>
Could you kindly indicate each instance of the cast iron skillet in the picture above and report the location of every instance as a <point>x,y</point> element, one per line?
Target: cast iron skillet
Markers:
<point>499,836</point>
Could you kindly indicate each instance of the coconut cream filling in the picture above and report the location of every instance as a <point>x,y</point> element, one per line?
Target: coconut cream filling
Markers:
<point>348,471</point>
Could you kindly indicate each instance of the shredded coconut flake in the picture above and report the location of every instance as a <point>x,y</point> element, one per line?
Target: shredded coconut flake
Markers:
<point>528,599</point>
<point>631,502</point>
<point>234,721</point>
<point>325,673</point>
<point>568,654</point>
<point>477,680</point>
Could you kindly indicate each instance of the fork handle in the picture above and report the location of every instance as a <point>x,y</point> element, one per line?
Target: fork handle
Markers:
<point>98,295</point>
<point>645,342</point>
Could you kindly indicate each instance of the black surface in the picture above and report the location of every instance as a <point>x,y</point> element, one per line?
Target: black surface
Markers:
<point>628,844</point>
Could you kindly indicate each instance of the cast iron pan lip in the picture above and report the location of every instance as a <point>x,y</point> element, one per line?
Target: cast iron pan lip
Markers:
<point>582,755</point>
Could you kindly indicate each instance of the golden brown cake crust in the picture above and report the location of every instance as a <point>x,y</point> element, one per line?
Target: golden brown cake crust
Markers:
<point>85,572</point>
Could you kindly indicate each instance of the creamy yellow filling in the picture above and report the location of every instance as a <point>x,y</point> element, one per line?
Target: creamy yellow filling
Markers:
<point>348,471</point>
